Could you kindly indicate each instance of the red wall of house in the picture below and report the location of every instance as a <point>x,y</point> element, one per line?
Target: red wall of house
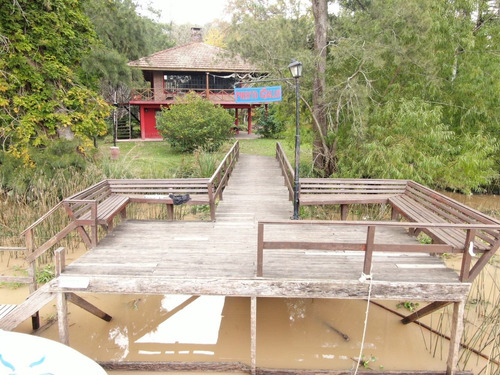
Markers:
<point>148,123</point>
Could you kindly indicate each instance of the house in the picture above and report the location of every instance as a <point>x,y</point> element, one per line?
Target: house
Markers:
<point>194,67</point>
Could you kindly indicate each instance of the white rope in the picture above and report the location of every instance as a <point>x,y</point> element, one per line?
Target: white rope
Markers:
<point>363,278</point>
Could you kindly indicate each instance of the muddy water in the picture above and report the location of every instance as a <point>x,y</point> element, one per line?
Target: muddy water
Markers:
<point>292,333</point>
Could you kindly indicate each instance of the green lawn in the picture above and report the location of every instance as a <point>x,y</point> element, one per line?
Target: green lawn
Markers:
<point>141,159</point>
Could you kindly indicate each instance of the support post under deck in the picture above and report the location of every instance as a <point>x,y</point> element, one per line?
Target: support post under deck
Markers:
<point>253,335</point>
<point>457,327</point>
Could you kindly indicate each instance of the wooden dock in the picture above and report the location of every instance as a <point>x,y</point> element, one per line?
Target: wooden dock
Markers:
<point>227,257</point>
<point>219,258</point>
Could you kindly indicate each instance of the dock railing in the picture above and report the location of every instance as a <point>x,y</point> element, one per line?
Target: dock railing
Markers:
<point>369,246</point>
<point>286,169</point>
<point>220,178</point>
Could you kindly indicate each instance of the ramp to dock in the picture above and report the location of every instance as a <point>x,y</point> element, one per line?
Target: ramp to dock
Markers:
<point>18,314</point>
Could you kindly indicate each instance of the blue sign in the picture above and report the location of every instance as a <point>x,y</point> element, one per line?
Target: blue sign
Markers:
<point>257,94</point>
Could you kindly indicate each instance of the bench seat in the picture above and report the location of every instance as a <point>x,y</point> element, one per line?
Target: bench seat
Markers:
<point>106,210</point>
<point>164,198</point>
<point>327,199</point>
<point>417,212</point>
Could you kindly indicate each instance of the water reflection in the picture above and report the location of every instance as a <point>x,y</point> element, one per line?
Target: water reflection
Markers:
<point>197,322</point>
<point>291,333</point>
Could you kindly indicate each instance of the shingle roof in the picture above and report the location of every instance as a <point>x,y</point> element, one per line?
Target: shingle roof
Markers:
<point>194,56</point>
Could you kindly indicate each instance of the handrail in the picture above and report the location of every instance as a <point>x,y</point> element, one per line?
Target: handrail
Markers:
<point>46,215</point>
<point>286,169</point>
<point>467,274</point>
<point>225,168</point>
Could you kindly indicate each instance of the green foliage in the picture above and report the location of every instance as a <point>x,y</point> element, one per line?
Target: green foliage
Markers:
<point>40,89</point>
<point>45,274</point>
<point>123,35</point>
<point>411,86</point>
<point>207,162</point>
<point>408,305</point>
<point>58,161</point>
<point>270,125</point>
<point>194,123</point>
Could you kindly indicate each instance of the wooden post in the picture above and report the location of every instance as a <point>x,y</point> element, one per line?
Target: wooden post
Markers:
<point>344,211</point>
<point>466,258</point>
<point>250,120</point>
<point>60,261</point>
<point>62,318</point>
<point>211,199</point>
<point>236,121</point>
<point>253,335</point>
<point>370,239</point>
<point>260,249</point>
<point>30,245</point>
<point>94,227</point>
<point>62,304</point>
<point>457,327</point>
<point>170,212</point>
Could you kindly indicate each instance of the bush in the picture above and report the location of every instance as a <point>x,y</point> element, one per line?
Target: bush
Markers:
<point>270,126</point>
<point>194,123</point>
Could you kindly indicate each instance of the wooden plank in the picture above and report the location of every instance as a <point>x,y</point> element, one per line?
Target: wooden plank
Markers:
<point>429,309</point>
<point>87,306</point>
<point>16,279</point>
<point>30,306</point>
<point>5,310</point>
<point>272,287</point>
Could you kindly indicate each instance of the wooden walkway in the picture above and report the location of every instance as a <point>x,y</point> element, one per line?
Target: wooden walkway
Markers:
<point>219,258</point>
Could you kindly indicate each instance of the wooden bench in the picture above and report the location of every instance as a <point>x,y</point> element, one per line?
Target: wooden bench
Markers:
<point>424,205</point>
<point>342,191</point>
<point>96,205</point>
<point>200,192</point>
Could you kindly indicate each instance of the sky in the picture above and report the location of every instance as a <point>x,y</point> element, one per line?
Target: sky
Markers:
<point>196,12</point>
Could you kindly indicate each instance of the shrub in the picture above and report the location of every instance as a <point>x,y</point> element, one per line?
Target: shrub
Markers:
<point>194,122</point>
<point>270,126</point>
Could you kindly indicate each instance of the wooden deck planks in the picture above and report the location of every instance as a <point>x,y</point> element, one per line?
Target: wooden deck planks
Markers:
<point>220,257</point>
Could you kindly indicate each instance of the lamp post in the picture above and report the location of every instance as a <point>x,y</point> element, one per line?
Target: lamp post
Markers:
<point>296,70</point>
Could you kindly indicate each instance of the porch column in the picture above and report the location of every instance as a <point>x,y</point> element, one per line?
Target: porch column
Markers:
<point>250,120</point>
<point>236,120</point>
<point>207,86</point>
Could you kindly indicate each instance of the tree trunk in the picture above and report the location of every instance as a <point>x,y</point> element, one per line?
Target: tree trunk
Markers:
<point>323,159</point>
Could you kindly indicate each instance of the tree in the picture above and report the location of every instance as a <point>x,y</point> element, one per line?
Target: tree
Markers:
<point>123,35</point>
<point>41,89</point>
<point>410,65</point>
<point>194,122</point>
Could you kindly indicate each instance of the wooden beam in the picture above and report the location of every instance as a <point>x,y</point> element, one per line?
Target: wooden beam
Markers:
<point>253,335</point>
<point>62,318</point>
<point>176,366</point>
<point>51,242</point>
<point>370,239</point>
<point>80,302</point>
<point>457,327</point>
<point>434,306</point>
<point>467,257</point>
<point>260,250</point>
<point>240,367</point>
<point>481,262</point>
<point>262,287</point>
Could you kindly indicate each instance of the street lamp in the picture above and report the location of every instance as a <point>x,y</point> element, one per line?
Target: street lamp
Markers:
<point>296,70</point>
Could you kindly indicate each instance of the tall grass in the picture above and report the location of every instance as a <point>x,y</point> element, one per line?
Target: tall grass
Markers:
<point>41,190</point>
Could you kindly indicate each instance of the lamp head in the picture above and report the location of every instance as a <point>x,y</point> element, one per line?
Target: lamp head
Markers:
<point>295,68</point>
